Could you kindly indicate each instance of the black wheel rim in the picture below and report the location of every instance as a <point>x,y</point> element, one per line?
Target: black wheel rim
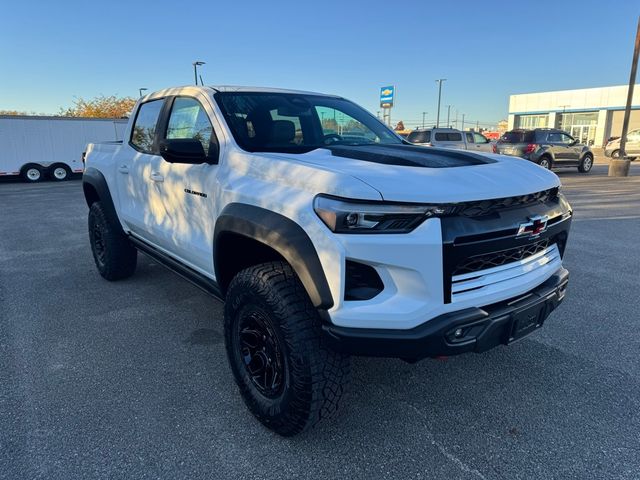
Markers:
<point>261,353</point>
<point>98,243</point>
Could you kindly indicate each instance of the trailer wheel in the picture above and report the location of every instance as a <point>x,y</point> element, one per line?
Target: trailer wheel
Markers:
<point>31,173</point>
<point>59,172</point>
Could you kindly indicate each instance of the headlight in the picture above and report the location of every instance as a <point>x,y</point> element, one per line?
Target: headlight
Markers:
<point>347,216</point>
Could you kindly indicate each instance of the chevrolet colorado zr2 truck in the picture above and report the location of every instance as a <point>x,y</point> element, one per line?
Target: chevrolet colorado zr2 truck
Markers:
<point>324,246</point>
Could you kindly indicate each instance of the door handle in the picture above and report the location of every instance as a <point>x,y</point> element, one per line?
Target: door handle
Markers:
<point>156,177</point>
<point>123,169</point>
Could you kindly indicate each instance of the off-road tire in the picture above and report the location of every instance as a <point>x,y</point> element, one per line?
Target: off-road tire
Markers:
<point>586,164</point>
<point>314,376</point>
<point>115,256</point>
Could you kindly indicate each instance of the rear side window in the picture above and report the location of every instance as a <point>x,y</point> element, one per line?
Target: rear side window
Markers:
<point>144,128</point>
<point>518,137</point>
<point>448,137</point>
<point>469,137</point>
<point>420,137</point>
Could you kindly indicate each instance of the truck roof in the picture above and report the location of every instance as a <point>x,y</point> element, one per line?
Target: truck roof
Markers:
<point>240,88</point>
<point>228,88</point>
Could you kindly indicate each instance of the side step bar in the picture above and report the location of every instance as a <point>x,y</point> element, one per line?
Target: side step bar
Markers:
<point>206,284</point>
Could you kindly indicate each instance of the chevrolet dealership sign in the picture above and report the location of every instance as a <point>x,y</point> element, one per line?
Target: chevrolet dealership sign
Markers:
<point>386,96</point>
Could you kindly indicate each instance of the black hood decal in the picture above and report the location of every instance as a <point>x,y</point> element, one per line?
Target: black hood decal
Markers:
<point>410,156</point>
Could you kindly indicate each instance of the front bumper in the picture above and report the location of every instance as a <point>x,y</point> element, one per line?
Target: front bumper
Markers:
<point>483,328</point>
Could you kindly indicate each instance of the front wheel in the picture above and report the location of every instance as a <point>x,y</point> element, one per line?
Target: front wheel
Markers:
<point>287,377</point>
<point>615,154</point>
<point>113,253</point>
<point>586,164</point>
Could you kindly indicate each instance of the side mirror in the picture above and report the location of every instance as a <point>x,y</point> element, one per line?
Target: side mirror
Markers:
<point>183,150</point>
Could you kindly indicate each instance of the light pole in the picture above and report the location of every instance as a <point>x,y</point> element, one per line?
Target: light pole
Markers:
<point>423,114</point>
<point>440,80</point>
<point>462,122</point>
<point>140,90</point>
<point>619,167</point>
<point>196,64</point>
<point>448,115</point>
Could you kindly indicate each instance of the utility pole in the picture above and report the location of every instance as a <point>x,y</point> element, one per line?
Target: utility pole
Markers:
<point>619,167</point>
<point>462,123</point>
<point>196,64</point>
<point>456,120</point>
<point>477,125</point>
<point>448,115</point>
<point>423,114</point>
<point>440,80</point>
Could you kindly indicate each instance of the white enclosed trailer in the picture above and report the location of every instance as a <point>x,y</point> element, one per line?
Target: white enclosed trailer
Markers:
<point>36,146</point>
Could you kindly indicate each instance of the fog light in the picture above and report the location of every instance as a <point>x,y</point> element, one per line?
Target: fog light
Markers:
<point>458,333</point>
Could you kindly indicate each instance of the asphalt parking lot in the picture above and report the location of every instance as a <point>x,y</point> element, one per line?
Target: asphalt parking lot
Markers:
<point>130,379</point>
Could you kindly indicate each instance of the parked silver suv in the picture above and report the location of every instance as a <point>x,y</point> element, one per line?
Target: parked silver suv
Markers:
<point>632,147</point>
<point>450,138</point>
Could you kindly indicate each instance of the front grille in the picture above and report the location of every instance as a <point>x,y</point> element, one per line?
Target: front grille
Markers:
<point>497,259</point>
<point>485,207</point>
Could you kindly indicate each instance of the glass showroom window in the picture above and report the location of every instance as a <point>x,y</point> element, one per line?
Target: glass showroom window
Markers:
<point>531,121</point>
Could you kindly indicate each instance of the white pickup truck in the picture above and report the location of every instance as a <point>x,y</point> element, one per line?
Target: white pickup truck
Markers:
<point>321,246</point>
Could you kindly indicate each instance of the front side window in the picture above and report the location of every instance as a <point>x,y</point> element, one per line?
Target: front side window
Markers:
<point>188,119</point>
<point>144,129</point>
<point>479,138</point>
<point>299,123</point>
<point>566,139</point>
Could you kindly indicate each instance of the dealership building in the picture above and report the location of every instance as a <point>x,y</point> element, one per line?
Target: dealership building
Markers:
<point>590,114</point>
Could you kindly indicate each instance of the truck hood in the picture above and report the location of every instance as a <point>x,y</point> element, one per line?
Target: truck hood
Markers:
<point>406,173</point>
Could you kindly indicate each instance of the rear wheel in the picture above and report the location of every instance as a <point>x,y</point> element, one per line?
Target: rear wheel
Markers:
<point>286,375</point>
<point>113,253</point>
<point>545,162</point>
<point>59,172</point>
<point>31,173</point>
<point>586,164</point>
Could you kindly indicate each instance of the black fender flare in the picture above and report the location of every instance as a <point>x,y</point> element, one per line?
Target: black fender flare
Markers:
<point>284,236</point>
<point>93,178</point>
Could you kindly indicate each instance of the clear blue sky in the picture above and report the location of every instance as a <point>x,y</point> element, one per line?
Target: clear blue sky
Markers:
<point>52,51</point>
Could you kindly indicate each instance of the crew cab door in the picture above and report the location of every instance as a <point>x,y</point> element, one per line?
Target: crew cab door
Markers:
<point>138,207</point>
<point>188,192</point>
<point>482,143</point>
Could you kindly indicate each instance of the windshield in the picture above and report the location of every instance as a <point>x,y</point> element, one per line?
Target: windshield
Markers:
<point>299,123</point>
